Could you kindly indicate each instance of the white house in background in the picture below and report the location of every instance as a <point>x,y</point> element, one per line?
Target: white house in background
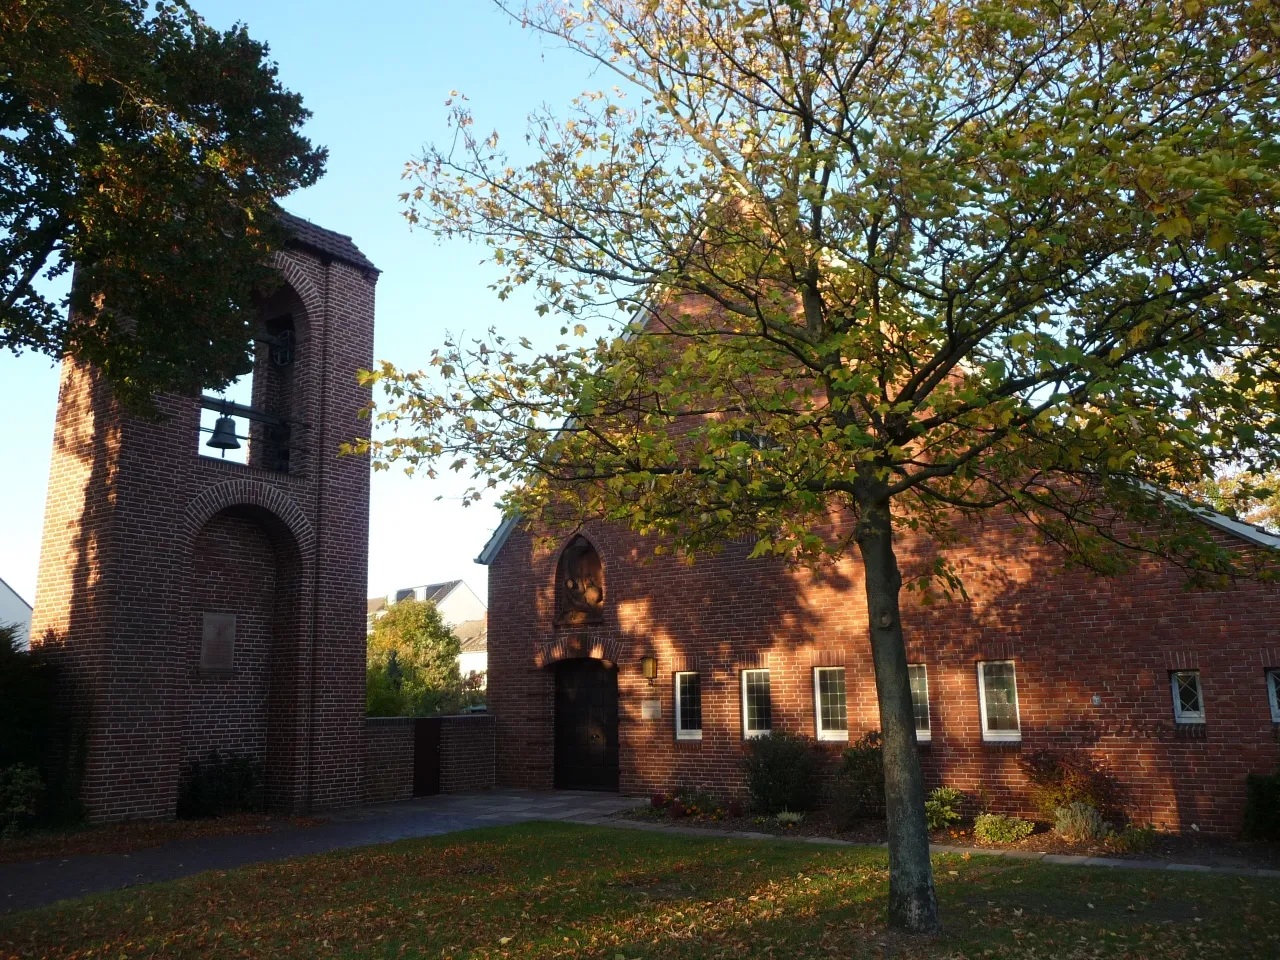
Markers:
<point>474,636</point>
<point>13,609</point>
<point>461,610</point>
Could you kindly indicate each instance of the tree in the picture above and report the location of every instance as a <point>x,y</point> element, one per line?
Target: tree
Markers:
<point>148,150</point>
<point>880,267</point>
<point>413,663</point>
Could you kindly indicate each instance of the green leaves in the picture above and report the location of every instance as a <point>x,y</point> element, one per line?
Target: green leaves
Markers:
<point>972,257</point>
<point>150,150</point>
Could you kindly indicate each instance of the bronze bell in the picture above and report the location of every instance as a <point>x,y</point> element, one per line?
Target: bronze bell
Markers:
<point>224,435</point>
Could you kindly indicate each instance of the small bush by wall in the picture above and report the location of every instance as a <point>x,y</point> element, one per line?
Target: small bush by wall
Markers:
<point>1080,823</point>
<point>20,789</point>
<point>225,783</point>
<point>781,772</point>
<point>943,807</point>
<point>1059,779</point>
<point>998,828</point>
<point>858,792</point>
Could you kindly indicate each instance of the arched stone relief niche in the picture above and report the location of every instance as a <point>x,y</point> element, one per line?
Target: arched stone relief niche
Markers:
<point>579,584</point>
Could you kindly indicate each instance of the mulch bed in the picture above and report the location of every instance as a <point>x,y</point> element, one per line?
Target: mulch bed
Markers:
<point>136,835</point>
<point>1174,848</point>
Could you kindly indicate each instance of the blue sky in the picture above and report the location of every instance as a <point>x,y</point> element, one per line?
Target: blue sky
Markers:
<point>375,75</point>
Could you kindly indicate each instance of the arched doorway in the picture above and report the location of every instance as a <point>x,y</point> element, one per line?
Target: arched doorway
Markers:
<point>244,686</point>
<point>586,725</point>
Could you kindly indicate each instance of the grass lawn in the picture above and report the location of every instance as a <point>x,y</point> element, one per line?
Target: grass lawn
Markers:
<point>558,890</point>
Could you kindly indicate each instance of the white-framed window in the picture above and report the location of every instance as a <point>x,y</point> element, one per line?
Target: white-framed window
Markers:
<point>998,700</point>
<point>1188,700</point>
<point>1273,691</point>
<point>920,700</point>
<point>688,706</point>
<point>757,708</point>
<point>830,706</point>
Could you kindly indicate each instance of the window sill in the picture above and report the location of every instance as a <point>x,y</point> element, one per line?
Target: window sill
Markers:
<point>216,673</point>
<point>1011,743</point>
<point>833,737</point>
<point>1183,730</point>
<point>689,737</point>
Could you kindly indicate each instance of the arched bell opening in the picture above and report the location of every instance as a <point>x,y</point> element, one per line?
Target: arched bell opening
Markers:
<point>580,588</point>
<point>265,408</point>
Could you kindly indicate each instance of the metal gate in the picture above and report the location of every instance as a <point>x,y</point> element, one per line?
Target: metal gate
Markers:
<point>426,756</point>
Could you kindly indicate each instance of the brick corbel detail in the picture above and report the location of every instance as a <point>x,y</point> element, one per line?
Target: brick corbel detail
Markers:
<point>569,648</point>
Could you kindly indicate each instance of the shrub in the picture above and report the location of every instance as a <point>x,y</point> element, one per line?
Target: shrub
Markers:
<point>789,818</point>
<point>781,772</point>
<point>1080,823</point>
<point>695,800</point>
<point>997,828</point>
<point>20,789</point>
<point>734,808</point>
<point>942,807</point>
<point>859,786</point>
<point>225,783</point>
<point>37,735</point>
<point>1133,839</point>
<point>659,800</point>
<point>1061,779</point>
<point>1262,806</point>
<point>676,809</point>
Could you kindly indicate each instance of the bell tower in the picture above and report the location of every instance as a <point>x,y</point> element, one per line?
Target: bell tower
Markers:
<point>202,577</point>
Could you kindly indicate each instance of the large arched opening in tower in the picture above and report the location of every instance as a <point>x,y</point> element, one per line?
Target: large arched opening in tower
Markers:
<point>244,654</point>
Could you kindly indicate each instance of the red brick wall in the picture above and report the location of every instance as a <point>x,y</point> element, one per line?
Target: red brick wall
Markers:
<point>388,759</point>
<point>1071,635</point>
<point>466,753</point>
<point>131,509</point>
<point>466,756</point>
<point>234,571</point>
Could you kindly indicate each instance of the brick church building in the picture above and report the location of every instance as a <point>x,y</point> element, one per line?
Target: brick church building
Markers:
<point>200,604</point>
<point>1178,692</point>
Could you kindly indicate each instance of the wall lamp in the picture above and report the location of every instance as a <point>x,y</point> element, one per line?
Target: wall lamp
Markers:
<point>649,667</point>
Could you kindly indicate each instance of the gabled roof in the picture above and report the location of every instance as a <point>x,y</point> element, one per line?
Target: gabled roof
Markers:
<point>15,593</point>
<point>435,592</point>
<point>1245,531</point>
<point>473,635</point>
<point>327,243</point>
<point>498,538</point>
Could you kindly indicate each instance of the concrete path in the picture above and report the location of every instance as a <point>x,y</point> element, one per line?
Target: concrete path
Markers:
<point>1058,859</point>
<point>36,883</point>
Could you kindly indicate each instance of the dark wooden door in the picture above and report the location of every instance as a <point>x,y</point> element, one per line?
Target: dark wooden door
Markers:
<point>426,756</point>
<point>586,726</point>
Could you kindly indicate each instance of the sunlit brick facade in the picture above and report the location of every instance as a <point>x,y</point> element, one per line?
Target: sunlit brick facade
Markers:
<point>1093,659</point>
<point>145,538</point>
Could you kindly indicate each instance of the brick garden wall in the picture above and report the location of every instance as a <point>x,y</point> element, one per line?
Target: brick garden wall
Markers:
<point>466,753</point>
<point>466,756</point>
<point>1072,637</point>
<point>388,759</point>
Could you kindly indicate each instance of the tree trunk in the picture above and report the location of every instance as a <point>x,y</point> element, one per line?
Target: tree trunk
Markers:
<point>913,904</point>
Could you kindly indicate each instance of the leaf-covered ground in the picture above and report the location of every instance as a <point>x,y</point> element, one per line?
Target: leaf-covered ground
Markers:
<point>134,835</point>
<point>559,890</point>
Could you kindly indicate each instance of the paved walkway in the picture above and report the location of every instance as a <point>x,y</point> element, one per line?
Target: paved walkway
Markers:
<point>1059,859</point>
<point>40,882</point>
